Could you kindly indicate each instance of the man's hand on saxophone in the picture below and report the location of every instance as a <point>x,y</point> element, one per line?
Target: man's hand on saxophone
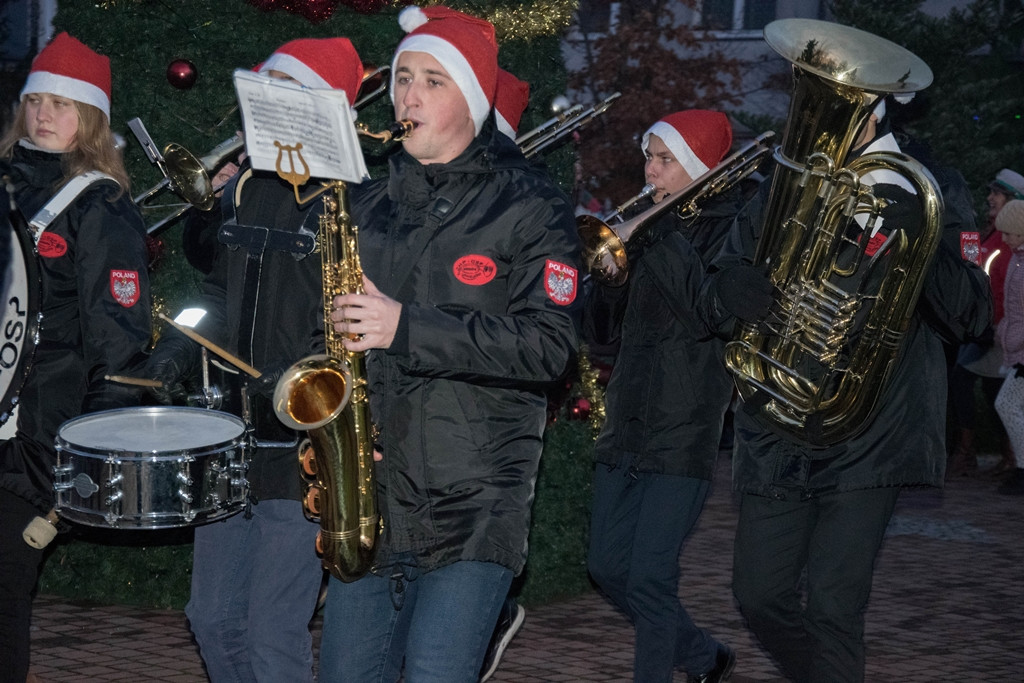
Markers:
<point>366,321</point>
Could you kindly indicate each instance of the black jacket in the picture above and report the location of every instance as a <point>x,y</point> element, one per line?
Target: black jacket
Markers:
<point>263,302</point>
<point>669,388</point>
<point>96,318</point>
<point>482,254</point>
<point>904,444</point>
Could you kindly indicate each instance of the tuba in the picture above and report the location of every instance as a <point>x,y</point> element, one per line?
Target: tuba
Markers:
<point>326,396</point>
<point>816,367</point>
<point>604,253</point>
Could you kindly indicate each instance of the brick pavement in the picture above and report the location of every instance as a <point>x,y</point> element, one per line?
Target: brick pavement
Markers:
<point>947,604</point>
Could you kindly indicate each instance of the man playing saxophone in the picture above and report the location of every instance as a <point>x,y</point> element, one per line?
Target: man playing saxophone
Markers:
<point>470,312</point>
<point>823,509</point>
<point>256,575</point>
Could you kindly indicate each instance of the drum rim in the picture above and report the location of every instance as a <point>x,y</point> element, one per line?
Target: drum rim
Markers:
<point>63,444</point>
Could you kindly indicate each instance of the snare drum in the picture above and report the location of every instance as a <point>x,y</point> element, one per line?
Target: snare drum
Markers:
<point>151,467</point>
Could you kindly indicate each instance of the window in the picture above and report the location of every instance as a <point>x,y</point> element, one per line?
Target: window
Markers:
<point>736,15</point>
<point>594,16</point>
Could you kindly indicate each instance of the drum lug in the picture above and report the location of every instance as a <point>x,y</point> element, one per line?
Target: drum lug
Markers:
<point>62,477</point>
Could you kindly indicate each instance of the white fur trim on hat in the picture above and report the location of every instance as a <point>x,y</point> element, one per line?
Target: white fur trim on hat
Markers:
<point>295,68</point>
<point>411,18</point>
<point>65,86</point>
<point>452,60</point>
<point>693,166</point>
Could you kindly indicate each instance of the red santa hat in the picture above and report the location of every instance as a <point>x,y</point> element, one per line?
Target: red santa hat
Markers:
<point>319,63</point>
<point>510,100</point>
<point>68,68</point>
<point>699,139</point>
<point>464,46</point>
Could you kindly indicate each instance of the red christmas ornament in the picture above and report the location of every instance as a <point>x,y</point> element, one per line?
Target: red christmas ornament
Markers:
<point>182,74</point>
<point>155,250</point>
<point>579,409</point>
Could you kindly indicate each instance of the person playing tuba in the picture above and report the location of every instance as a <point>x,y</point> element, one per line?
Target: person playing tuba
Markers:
<point>823,509</point>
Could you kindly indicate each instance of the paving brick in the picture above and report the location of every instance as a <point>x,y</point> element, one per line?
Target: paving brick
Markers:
<point>946,605</point>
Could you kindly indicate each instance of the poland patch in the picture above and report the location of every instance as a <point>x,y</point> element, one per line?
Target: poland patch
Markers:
<point>970,247</point>
<point>124,285</point>
<point>560,282</point>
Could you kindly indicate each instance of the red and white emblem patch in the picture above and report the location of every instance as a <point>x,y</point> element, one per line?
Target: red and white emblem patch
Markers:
<point>474,269</point>
<point>124,285</point>
<point>560,282</point>
<point>970,247</point>
<point>51,245</point>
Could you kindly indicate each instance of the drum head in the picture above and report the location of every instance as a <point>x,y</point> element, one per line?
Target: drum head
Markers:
<point>20,288</point>
<point>150,431</point>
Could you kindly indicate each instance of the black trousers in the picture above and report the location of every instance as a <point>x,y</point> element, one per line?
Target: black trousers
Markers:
<point>824,548</point>
<point>19,569</point>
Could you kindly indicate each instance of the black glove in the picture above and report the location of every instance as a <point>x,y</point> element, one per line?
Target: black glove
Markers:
<point>174,358</point>
<point>745,292</point>
<point>903,208</point>
<point>265,384</point>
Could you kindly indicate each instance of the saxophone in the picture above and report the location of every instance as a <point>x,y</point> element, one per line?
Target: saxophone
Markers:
<point>325,395</point>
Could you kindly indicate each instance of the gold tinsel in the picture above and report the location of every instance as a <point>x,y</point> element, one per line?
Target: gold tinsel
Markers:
<point>159,307</point>
<point>590,389</point>
<point>531,20</point>
<point>541,18</point>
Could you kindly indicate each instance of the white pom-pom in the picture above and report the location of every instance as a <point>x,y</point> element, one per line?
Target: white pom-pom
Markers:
<point>411,18</point>
<point>904,97</point>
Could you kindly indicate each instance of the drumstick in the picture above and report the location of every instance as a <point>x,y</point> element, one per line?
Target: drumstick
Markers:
<point>203,341</point>
<point>137,381</point>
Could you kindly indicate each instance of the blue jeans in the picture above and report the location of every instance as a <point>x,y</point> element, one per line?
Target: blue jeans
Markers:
<point>255,584</point>
<point>638,524</point>
<point>439,622</point>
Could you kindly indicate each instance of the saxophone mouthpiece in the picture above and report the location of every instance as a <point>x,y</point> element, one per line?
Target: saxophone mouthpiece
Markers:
<point>401,130</point>
<point>397,131</point>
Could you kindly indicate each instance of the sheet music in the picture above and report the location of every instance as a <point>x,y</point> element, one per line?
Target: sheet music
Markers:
<point>285,112</point>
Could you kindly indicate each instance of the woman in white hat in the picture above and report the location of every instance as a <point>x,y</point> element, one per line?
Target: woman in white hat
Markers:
<point>95,301</point>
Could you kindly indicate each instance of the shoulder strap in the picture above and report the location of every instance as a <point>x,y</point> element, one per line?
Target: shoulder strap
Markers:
<point>62,200</point>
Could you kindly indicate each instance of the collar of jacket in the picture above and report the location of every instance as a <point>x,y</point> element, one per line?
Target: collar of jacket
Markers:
<point>37,167</point>
<point>415,184</point>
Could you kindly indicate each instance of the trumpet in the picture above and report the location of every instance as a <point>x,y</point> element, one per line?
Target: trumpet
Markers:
<point>188,177</point>
<point>566,120</point>
<point>604,251</point>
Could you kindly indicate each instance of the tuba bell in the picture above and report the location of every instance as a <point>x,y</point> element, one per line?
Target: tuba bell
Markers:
<point>816,367</point>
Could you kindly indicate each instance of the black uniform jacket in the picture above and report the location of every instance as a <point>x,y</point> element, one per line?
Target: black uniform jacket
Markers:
<point>669,388</point>
<point>482,254</point>
<point>905,442</point>
<point>263,302</point>
<point>96,318</point>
